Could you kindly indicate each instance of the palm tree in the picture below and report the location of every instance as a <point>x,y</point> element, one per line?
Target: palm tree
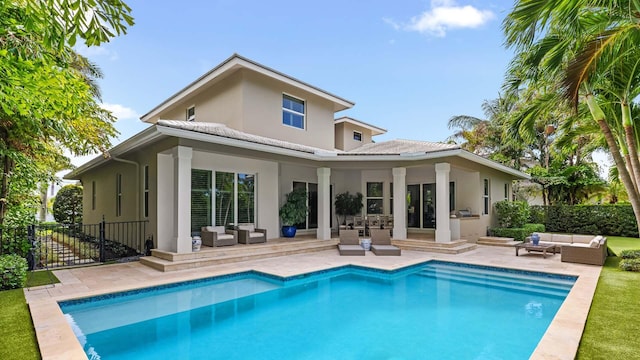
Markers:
<point>588,48</point>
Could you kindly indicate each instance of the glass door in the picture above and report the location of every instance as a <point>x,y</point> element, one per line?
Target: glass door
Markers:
<point>429,206</point>
<point>413,206</point>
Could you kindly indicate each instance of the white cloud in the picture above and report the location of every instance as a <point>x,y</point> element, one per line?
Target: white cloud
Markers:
<point>96,51</point>
<point>445,15</point>
<point>121,112</point>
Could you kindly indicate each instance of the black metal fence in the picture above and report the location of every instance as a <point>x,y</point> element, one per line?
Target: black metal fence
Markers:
<point>56,245</point>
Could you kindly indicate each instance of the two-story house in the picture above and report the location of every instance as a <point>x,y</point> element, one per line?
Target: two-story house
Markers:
<point>229,146</point>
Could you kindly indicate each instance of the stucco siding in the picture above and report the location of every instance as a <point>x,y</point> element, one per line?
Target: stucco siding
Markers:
<point>221,103</point>
<point>262,109</point>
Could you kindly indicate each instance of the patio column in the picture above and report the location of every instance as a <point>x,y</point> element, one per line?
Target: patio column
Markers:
<point>164,201</point>
<point>182,198</point>
<point>443,232</point>
<point>324,204</point>
<point>399,203</point>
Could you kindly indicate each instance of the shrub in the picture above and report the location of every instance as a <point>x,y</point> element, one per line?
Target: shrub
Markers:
<point>531,228</point>
<point>614,220</point>
<point>630,264</point>
<point>630,254</point>
<point>512,214</point>
<point>13,272</point>
<point>517,234</point>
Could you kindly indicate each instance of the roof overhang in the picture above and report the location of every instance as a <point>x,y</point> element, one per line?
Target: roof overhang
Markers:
<point>374,129</point>
<point>237,62</point>
<point>156,132</point>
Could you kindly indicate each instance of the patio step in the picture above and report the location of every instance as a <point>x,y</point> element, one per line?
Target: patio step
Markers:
<point>168,261</point>
<point>497,241</point>
<point>453,247</point>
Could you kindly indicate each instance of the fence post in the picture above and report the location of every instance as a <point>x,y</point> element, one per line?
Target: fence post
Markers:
<point>31,237</point>
<point>102,226</point>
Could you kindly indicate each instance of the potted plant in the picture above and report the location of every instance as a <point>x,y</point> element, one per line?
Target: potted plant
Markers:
<point>348,205</point>
<point>294,211</point>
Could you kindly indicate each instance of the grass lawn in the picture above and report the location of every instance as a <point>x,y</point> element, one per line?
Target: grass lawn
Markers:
<point>613,325</point>
<point>17,336</point>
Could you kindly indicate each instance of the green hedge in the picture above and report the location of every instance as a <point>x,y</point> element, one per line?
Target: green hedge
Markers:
<point>512,214</point>
<point>612,220</point>
<point>13,272</point>
<point>630,254</point>
<point>518,234</point>
<point>630,264</point>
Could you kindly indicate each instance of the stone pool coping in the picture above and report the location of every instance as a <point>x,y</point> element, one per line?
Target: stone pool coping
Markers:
<point>57,341</point>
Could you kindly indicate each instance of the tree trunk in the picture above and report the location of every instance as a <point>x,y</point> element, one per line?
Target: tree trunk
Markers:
<point>631,142</point>
<point>598,115</point>
<point>4,187</point>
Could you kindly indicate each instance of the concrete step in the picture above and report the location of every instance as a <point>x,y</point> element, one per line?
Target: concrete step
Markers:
<point>232,254</point>
<point>497,241</point>
<point>454,247</point>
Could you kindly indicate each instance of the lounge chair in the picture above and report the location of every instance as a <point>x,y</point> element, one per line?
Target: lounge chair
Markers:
<point>249,234</point>
<point>350,243</point>
<point>217,236</point>
<point>381,243</point>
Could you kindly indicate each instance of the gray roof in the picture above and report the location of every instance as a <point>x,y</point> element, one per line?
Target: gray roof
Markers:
<point>224,131</point>
<point>398,146</point>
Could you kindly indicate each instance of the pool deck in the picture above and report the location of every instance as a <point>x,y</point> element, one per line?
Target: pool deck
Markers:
<point>57,341</point>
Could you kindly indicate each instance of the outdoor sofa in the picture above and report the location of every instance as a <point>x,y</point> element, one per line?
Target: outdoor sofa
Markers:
<point>577,248</point>
<point>215,236</point>
<point>249,234</point>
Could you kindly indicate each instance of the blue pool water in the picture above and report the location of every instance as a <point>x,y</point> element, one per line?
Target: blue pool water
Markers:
<point>435,310</point>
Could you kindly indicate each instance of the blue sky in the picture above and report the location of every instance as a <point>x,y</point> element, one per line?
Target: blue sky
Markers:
<point>408,65</point>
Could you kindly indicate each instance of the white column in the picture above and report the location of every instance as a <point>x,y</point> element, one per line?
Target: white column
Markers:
<point>443,232</point>
<point>399,203</point>
<point>164,200</point>
<point>324,204</point>
<point>182,198</point>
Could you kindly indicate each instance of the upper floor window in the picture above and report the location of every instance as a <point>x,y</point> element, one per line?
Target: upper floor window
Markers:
<point>357,136</point>
<point>293,111</point>
<point>118,194</point>
<point>191,113</point>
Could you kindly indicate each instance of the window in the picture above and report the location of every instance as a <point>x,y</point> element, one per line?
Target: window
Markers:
<point>374,198</point>
<point>201,207</point>
<point>293,111</point>
<point>506,191</point>
<point>485,197</point>
<point>146,191</point>
<point>452,196</point>
<point>118,194</point>
<point>93,195</point>
<point>191,113</point>
<point>391,199</point>
<point>357,136</point>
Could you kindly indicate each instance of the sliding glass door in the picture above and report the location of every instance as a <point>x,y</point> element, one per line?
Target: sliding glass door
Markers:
<point>230,200</point>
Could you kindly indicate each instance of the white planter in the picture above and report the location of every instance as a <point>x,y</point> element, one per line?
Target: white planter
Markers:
<point>196,242</point>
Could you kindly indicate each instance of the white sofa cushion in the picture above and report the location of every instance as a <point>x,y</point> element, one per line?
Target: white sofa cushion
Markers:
<point>581,245</point>
<point>218,229</point>
<point>545,236</point>
<point>595,242</point>
<point>582,239</point>
<point>225,237</point>
<point>248,227</point>
<point>561,238</point>
<point>255,234</point>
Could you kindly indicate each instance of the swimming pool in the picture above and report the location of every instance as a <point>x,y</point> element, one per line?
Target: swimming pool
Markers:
<point>431,310</point>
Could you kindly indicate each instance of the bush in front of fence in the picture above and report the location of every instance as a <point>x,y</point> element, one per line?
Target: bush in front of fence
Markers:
<point>614,220</point>
<point>13,272</point>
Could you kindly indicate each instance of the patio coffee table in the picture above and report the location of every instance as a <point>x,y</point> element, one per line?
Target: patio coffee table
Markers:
<point>540,248</point>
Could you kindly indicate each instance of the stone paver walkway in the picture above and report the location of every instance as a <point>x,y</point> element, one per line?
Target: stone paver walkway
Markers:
<point>57,340</point>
